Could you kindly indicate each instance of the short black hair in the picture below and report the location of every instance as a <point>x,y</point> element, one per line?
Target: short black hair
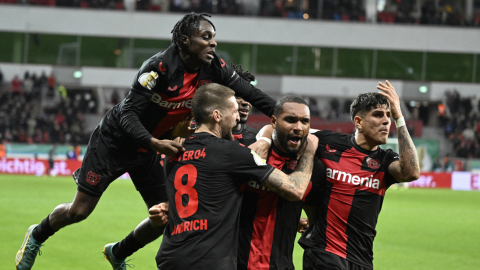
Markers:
<point>246,75</point>
<point>188,25</point>
<point>288,98</point>
<point>210,97</point>
<point>365,102</point>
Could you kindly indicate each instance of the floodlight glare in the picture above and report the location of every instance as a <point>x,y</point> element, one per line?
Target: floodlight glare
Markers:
<point>77,74</point>
<point>423,89</point>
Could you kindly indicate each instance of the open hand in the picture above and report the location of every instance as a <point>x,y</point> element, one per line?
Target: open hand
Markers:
<point>388,91</point>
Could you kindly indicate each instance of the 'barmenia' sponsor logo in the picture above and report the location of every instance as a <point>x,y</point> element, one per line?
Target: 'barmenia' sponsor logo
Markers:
<point>353,179</point>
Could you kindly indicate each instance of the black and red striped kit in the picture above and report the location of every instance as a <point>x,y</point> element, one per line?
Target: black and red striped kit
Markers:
<point>205,198</point>
<point>268,222</point>
<point>348,208</point>
<point>160,97</point>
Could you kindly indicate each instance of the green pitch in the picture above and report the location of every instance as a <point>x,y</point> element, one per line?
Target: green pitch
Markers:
<point>417,229</point>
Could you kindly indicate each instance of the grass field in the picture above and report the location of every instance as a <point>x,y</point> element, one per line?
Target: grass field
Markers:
<point>417,229</point>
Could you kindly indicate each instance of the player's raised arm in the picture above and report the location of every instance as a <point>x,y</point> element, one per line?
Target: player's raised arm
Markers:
<point>292,187</point>
<point>407,168</point>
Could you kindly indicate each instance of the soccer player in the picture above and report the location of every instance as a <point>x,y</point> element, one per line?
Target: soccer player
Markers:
<point>268,222</point>
<point>127,138</point>
<point>358,174</point>
<point>204,182</point>
<point>241,132</point>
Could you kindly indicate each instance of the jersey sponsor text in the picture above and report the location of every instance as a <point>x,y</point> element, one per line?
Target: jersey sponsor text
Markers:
<point>156,98</point>
<point>353,179</point>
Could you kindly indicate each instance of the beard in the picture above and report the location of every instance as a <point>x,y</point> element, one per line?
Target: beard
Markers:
<point>283,141</point>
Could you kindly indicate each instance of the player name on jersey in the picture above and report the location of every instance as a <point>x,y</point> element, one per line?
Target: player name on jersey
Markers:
<point>193,225</point>
<point>189,155</point>
<point>353,179</point>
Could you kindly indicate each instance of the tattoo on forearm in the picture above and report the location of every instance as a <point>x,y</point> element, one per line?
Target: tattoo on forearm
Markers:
<point>408,159</point>
<point>287,186</point>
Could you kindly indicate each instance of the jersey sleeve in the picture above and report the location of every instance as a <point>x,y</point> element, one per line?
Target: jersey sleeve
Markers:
<point>313,195</point>
<point>248,163</point>
<point>390,157</point>
<point>146,82</point>
<point>129,120</point>
<point>245,90</point>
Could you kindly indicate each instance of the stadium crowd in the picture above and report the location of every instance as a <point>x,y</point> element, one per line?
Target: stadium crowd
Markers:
<point>36,110</point>
<point>460,117</point>
<point>445,13</point>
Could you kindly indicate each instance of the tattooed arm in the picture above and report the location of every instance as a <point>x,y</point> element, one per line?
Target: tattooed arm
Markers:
<point>292,187</point>
<point>407,168</point>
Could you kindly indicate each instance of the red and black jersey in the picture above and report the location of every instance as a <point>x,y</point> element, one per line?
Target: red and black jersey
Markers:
<point>268,222</point>
<point>204,196</point>
<point>246,135</point>
<point>161,96</point>
<point>352,198</point>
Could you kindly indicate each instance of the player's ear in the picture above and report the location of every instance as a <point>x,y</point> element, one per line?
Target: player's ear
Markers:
<point>274,121</point>
<point>358,122</point>
<point>217,116</point>
<point>184,40</point>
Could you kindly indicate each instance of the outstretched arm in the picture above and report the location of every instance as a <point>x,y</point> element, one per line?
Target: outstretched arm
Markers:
<point>292,187</point>
<point>407,168</point>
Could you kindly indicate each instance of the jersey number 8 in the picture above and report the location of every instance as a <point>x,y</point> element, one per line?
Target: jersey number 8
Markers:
<point>187,189</point>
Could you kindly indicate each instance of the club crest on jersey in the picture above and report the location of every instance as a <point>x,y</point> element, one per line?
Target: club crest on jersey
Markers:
<point>93,178</point>
<point>330,151</point>
<point>373,163</point>
<point>258,159</point>
<point>202,82</point>
<point>148,80</point>
<point>292,164</point>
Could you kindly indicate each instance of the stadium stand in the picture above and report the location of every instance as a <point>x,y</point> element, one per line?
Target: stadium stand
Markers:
<point>34,110</point>
<point>428,12</point>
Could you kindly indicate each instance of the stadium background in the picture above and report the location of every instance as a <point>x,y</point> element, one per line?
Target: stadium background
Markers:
<point>327,51</point>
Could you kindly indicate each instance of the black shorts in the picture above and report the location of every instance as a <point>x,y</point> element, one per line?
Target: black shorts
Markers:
<point>101,166</point>
<point>318,259</point>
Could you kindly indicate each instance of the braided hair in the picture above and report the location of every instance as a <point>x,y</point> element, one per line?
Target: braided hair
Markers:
<point>187,26</point>
<point>246,75</point>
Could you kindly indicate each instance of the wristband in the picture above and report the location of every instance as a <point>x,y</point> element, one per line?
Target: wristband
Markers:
<point>266,139</point>
<point>400,122</point>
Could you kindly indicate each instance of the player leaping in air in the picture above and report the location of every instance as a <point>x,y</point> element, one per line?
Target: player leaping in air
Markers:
<point>130,135</point>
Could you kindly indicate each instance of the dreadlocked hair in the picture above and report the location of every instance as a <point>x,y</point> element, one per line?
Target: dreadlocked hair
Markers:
<point>246,75</point>
<point>187,26</point>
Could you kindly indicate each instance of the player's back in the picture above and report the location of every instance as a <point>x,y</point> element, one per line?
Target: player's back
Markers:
<point>203,186</point>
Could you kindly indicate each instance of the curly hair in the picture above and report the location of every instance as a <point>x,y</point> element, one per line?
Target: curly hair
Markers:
<point>188,25</point>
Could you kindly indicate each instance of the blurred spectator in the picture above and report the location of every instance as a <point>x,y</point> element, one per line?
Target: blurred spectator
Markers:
<point>62,91</point>
<point>71,153</point>
<point>16,85</point>
<point>23,118</point>
<point>447,164</point>
<point>1,78</point>
<point>115,98</point>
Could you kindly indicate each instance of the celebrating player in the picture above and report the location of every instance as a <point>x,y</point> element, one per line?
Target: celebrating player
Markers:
<point>241,132</point>
<point>358,173</point>
<point>268,222</point>
<point>204,182</point>
<point>127,138</point>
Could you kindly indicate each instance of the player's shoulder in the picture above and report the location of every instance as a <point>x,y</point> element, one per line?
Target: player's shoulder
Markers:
<point>250,129</point>
<point>328,135</point>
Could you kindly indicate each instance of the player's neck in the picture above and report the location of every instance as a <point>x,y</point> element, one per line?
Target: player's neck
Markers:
<point>188,61</point>
<point>364,143</point>
<point>214,130</point>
